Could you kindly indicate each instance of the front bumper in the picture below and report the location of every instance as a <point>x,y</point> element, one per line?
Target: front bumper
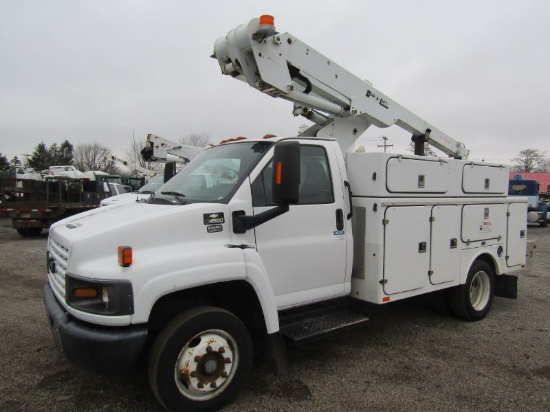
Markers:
<point>94,347</point>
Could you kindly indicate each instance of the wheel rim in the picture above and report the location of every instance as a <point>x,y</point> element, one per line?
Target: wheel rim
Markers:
<point>206,364</point>
<point>480,290</point>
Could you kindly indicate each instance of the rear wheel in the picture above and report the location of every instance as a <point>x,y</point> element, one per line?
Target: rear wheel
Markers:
<point>472,301</point>
<point>200,360</point>
<point>29,231</point>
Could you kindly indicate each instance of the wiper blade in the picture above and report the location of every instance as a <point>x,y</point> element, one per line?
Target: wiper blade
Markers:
<point>177,195</point>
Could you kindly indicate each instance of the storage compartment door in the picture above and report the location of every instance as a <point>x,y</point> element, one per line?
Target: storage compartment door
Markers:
<point>483,222</point>
<point>406,175</point>
<point>516,241</point>
<point>445,237</point>
<point>406,248</point>
<point>485,179</point>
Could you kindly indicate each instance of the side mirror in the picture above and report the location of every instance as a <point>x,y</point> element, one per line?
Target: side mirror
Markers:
<point>286,173</point>
<point>169,171</point>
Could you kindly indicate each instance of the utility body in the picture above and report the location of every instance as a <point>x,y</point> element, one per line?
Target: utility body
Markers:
<point>288,239</point>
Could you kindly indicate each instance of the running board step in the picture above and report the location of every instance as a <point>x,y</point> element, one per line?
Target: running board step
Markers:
<point>319,324</point>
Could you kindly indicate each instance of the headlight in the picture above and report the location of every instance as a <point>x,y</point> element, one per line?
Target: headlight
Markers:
<point>113,298</point>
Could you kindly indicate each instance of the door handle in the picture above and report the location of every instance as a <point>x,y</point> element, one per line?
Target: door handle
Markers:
<point>346,184</point>
<point>339,219</point>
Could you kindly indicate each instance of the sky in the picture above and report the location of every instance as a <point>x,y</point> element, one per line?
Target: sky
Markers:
<point>108,71</point>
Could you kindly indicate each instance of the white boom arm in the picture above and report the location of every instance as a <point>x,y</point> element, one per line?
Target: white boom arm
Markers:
<point>340,104</point>
<point>159,149</point>
<point>133,167</point>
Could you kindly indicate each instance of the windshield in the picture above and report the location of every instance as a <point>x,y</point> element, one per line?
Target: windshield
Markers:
<point>152,185</point>
<point>523,188</point>
<point>214,175</point>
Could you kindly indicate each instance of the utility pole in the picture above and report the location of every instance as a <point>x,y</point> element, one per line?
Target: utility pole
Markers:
<point>385,145</point>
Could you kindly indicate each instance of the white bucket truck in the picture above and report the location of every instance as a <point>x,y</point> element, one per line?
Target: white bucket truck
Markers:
<point>291,237</point>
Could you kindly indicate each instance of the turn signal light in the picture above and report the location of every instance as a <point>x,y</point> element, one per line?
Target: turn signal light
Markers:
<point>85,293</point>
<point>279,173</point>
<point>124,256</point>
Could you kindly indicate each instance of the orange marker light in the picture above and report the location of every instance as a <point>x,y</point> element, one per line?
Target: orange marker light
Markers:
<point>85,293</point>
<point>386,299</point>
<point>267,20</point>
<point>124,256</point>
<point>278,173</point>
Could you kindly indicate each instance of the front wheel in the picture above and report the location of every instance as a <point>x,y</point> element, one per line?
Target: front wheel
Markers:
<point>472,301</point>
<point>200,360</point>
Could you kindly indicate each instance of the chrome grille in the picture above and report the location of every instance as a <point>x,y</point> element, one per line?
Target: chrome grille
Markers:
<point>60,255</point>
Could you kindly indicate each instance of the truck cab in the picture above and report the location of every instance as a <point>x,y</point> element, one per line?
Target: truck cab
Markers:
<point>537,208</point>
<point>118,276</point>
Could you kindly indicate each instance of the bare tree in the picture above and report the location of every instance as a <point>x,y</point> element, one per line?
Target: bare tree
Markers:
<point>531,160</point>
<point>94,157</point>
<point>196,139</point>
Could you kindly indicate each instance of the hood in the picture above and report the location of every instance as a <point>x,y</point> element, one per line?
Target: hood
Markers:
<point>125,198</point>
<point>150,217</point>
<point>92,238</point>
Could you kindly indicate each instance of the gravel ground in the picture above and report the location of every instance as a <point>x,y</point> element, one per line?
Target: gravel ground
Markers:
<point>409,357</point>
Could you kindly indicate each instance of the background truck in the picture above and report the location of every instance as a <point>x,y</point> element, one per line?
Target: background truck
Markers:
<point>33,205</point>
<point>295,238</point>
<point>537,207</point>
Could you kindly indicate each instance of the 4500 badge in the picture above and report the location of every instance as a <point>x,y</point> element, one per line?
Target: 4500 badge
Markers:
<point>214,222</point>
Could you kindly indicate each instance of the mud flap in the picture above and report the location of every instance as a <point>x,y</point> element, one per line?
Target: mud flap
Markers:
<point>506,286</point>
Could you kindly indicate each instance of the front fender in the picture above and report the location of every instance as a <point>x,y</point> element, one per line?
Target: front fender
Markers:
<point>257,276</point>
<point>184,271</point>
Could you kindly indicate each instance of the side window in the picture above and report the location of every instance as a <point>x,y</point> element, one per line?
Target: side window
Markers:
<point>261,187</point>
<point>315,181</point>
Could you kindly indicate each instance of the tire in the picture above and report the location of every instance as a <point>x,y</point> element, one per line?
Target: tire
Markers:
<point>472,301</point>
<point>199,360</point>
<point>29,231</point>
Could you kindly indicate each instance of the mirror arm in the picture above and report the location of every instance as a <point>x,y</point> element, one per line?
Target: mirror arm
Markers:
<point>242,222</point>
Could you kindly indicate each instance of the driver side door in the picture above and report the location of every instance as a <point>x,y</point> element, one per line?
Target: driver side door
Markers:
<point>305,249</point>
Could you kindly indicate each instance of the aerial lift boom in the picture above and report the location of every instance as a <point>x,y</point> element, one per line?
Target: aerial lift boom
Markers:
<point>159,149</point>
<point>134,168</point>
<point>338,103</point>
